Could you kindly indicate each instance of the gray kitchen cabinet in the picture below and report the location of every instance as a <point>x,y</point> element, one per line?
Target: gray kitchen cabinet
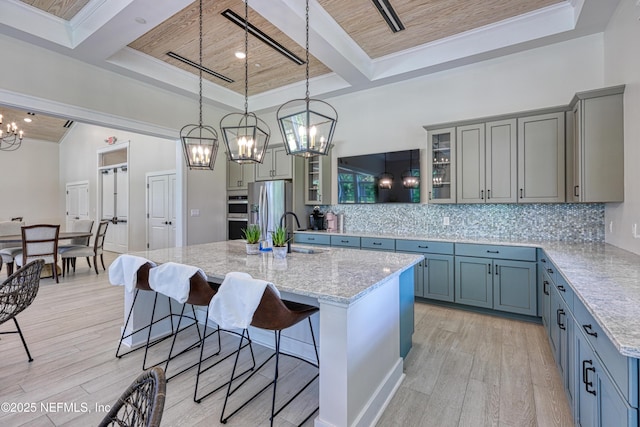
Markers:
<point>562,330</point>
<point>277,164</point>
<point>347,241</point>
<point>541,158</point>
<point>441,165</point>
<point>598,402</point>
<point>544,293</point>
<point>239,175</point>
<point>380,244</point>
<point>595,147</point>
<point>497,277</point>
<point>317,180</point>
<point>312,238</point>
<point>434,274</point>
<point>486,162</point>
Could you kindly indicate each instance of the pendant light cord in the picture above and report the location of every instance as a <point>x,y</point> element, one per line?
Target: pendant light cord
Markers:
<point>307,51</point>
<point>246,57</point>
<point>200,101</point>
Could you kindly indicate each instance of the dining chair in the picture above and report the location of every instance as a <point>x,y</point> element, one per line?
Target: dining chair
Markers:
<point>8,251</point>
<point>88,251</point>
<point>78,225</point>
<point>142,403</point>
<point>17,293</point>
<point>40,241</point>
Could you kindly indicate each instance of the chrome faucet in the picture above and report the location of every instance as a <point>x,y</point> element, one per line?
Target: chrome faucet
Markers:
<point>283,221</point>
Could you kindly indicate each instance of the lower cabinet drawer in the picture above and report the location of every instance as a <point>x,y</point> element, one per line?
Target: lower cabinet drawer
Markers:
<point>350,241</point>
<point>496,251</point>
<point>312,239</point>
<point>424,246</point>
<point>375,243</point>
<point>620,368</point>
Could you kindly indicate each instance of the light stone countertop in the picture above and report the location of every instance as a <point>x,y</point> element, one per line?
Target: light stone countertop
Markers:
<point>333,274</point>
<point>604,277</point>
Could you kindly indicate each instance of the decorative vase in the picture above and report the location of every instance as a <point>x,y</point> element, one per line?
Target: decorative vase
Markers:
<point>279,252</point>
<point>253,248</point>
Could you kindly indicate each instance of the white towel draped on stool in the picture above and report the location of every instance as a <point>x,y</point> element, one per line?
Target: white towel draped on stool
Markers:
<point>123,270</point>
<point>172,279</point>
<point>237,299</point>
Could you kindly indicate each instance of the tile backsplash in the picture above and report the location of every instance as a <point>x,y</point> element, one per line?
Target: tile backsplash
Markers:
<point>541,222</point>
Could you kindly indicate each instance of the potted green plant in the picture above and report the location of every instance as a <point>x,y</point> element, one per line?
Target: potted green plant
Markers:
<point>252,235</point>
<point>279,239</point>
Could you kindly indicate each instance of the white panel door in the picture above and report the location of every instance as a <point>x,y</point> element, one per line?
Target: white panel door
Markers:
<point>77,202</point>
<point>161,218</point>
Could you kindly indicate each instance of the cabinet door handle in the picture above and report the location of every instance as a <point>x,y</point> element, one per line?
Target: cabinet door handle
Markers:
<point>585,375</point>
<point>488,194</point>
<point>521,193</point>
<point>588,329</point>
<point>559,314</point>
<point>576,191</point>
<point>496,269</point>
<point>311,238</point>
<point>423,247</point>
<point>562,288</point>
<point>543,260</point>
<point>545,289</point>
<point>377,243</point>
<point>550,271</point>
<point>492,252</point>
<point>344,241</point>
<point>481,194</point>
<point>489,265</point>
<point>429,195</point>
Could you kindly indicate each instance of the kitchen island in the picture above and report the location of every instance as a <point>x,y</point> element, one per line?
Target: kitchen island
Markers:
<point>359,322</point>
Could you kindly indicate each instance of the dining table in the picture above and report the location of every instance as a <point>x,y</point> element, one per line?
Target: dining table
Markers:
<point>63,235</point>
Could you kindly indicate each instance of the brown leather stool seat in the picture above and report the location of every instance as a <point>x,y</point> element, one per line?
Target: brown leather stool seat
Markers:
<point>274,314</point>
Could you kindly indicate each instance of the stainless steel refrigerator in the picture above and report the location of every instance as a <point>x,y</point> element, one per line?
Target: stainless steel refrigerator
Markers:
<point>268,201</point>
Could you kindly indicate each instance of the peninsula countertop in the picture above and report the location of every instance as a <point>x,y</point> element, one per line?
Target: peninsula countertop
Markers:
<point>605,278</point>
<point>332,274</point>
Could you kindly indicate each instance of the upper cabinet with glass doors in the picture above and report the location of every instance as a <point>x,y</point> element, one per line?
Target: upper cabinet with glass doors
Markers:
<point>441,165</point>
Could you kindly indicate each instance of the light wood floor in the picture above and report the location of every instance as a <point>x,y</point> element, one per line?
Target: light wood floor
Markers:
<point>465,369</point>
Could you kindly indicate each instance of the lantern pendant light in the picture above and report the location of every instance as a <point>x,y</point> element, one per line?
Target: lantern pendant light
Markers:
<point>410,179</point>
<point>307,125</point>
<point>199,142</point>
<point>245,135</point>
<point>385,180</point>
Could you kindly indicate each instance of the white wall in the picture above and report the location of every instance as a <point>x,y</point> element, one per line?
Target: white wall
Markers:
<point>29,185</point>
<point>622,66</point>
<point>79,162</point>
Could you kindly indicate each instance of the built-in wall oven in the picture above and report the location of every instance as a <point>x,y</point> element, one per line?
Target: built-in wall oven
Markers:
<point>237,215</point>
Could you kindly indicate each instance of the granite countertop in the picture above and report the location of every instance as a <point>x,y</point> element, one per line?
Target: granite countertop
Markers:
<point>332,274</point>
<point>604,277</point>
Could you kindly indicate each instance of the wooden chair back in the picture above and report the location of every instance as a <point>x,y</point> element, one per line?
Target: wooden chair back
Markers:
<point>40,242</point>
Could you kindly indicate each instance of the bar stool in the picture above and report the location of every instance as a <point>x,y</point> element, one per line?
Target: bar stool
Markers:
<point>274,314</point>
<point>186,285</point>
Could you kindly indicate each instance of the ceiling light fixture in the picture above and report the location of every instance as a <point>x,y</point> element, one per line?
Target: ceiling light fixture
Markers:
<point>199,67</point>
<point>240,55</point>
<point>307,125</point>
<point>200,142</point>
<point>245,135</point>
<point>385,179</point>
<point>11,139</point>
<point>411,178</point>
<point>389,15</point>
<point>260,35</point>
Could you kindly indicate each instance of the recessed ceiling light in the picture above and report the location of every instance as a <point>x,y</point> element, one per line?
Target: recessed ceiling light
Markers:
<point>27,119</point>
<point>258,65</point>
<point>240,55</point>
<point>140,20</point>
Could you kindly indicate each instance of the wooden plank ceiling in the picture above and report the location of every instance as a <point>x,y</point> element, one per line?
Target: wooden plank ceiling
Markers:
<point>42,127</point>
<point>65,9</point>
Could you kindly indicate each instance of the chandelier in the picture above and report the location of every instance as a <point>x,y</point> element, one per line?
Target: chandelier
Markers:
<point>11,139</point>
<point>245,135</point>
<point>307,125</point>
<point>200,142</point>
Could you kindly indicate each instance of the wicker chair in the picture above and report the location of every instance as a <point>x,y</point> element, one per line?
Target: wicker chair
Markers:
<point>17,293</point>
<point>141,404</point>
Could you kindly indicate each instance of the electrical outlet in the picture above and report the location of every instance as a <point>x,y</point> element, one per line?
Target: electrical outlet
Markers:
<point>195,212</point>
<point>445,220</point>
<point>610,226</point>
<point>634,231</point>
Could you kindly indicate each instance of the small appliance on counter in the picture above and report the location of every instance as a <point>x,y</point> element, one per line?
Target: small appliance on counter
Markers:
<point>316,219</point>
<point>332,222</point>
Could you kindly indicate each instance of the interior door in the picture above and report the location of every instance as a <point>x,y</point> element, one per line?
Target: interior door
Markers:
<point>77,202</point>
<point>161,218</point>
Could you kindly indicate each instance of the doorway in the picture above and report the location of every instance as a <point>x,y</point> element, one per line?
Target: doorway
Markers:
<point>113,184</point>
<point>77,202</point>
<point>161,210</point>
